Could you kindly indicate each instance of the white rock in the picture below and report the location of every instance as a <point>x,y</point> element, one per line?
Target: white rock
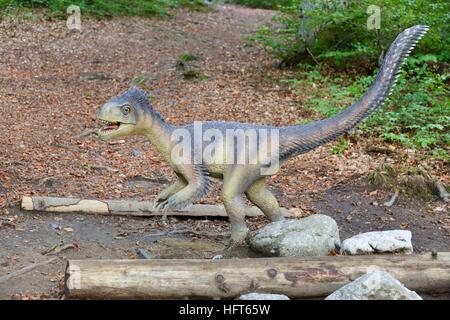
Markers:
<point>263,296</point>
<point>393,241</point>
<point>376,285</point>
<point>316,235</point>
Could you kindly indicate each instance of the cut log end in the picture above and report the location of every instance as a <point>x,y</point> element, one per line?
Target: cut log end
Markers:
<point>27,203</point>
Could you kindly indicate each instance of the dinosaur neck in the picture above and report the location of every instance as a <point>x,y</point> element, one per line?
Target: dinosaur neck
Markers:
<point>158,133</point>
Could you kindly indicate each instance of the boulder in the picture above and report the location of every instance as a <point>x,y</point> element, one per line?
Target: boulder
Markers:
<point>376,285</point>
<point>393,241</point>
<point>263,296</point>
<point>313,236</point>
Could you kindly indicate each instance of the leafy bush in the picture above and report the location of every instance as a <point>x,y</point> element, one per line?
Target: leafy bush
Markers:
<point>101,8</point>
<point>336,30</point>
<point>265,4</point>
<point>314,35</point>
<point>416,115</point>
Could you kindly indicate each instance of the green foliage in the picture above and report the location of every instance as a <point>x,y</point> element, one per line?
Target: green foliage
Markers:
<point>419,111</point>
<point>193,73</point>
<point>340,148</point>
<point>139,81</point>
<point>336,30</point>
<point>314,35</point>
<point>417,114</point>
<point>100,8</point>
<point>199,5</point>
<point>185,58</point>
<point>265,4</point>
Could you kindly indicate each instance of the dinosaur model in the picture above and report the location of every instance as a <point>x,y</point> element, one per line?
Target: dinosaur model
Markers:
<point>131,114</point>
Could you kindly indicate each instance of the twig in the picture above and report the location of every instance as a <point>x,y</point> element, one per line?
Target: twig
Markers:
<point>208,234</point>
<point>100,167</point>
<point>391,202</point>
<point>85,133</point>
<point>347,37</point>
<point>56,249</point>
<point>380,58</point>
<point>196,233</point>
<point>25,270</point>
<point>312,56</point>
<point>376,149</point>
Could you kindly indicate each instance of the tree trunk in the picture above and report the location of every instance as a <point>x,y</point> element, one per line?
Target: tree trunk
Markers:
<point>229,278</point>
<point>130,207</point>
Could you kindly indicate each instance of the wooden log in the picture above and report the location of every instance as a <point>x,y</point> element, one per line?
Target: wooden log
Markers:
<point>129,207</point>
<point>229,278</point>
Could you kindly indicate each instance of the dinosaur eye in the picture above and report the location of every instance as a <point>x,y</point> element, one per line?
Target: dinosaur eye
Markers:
<point>126,110</point>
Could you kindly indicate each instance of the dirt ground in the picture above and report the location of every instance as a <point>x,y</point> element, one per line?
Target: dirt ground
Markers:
<point>52,82</point>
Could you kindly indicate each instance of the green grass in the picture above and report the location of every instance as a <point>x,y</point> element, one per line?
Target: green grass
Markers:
<point>185,58</point>
<point>265,4</point>
<point>99,8</point>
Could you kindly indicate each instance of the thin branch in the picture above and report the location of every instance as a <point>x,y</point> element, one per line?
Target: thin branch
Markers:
<point>25,270</point>
<point>312,56</point>
<point>391,202</point>
<point>85,133</point>
<point>196,233</point>
<point>101,167</point>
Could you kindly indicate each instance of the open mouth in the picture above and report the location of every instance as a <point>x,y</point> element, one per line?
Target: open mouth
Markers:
<point>110,126</point>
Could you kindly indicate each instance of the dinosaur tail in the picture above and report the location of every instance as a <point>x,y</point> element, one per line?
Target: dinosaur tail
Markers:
<point>302,138</point>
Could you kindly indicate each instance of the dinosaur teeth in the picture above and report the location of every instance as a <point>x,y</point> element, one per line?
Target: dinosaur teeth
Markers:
<point>111,126</point>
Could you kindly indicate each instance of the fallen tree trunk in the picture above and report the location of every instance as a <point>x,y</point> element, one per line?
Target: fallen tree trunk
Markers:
<point>229,278</point>
<point>129,207</point>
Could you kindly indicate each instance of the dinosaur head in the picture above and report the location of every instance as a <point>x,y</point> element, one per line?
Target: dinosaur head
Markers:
<point>125,115</point>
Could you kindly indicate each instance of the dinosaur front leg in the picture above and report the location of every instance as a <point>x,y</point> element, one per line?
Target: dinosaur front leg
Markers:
<point>261,197</point>
<point>196,185</point>
<point>171,190</point>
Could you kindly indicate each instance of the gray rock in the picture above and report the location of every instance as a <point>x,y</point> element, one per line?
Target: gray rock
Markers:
<point>376,285</point>
<point>316,235</point>
<point>263,296</point>
<point>393,241</point>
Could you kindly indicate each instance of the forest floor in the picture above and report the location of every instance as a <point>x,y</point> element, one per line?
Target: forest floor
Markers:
<point>52,83</point>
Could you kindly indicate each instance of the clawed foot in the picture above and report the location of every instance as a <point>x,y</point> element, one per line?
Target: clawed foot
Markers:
<point>237,241</point>
<point>160,204</point>
<point>165,205</point>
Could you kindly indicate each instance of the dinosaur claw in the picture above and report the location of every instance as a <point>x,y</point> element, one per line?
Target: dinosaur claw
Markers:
<point>160,205</point>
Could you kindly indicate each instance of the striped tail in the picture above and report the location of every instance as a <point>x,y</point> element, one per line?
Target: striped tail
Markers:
<point>302,138</point>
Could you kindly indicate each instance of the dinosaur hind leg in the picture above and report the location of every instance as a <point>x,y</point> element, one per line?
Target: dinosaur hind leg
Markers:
<point>234,184</point>
<point>261,197</point>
